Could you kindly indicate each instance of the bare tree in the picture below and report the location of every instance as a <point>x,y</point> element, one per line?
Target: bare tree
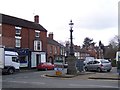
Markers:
<point>115,42</point>
<point>113,47</point>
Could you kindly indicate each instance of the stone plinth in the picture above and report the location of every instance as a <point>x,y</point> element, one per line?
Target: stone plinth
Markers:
<point>71,70</point>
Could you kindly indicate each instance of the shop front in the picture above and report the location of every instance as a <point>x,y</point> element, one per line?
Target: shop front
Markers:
<point>37,57</point>
<point>24,57</point>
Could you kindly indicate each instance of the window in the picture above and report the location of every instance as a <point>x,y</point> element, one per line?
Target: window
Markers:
<point>104,61</point>
<point>15,59</point>
<point>50,49</point>
<point>55,50</point>
<point>61,51</point>
<point>18,30</point>
<point>91,62</point>
<point>37,33</point>
<point>37,46</point>
<point>17,41</point>
<point>96,62</point>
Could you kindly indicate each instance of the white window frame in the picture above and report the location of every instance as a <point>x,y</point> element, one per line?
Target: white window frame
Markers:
<point>17,44</point>
<point>18,29</point>
<point>61,51</point>
<point>36,43</point>
<point>51,49</point>
<point>55,50</point>
<point>38,33</point>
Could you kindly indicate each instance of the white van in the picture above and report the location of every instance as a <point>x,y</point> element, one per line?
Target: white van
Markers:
<point>118,56</point>
<point>9,62</point>
<point>118,61</point>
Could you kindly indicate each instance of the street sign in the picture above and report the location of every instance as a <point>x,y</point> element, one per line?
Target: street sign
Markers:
<point>58,68</point>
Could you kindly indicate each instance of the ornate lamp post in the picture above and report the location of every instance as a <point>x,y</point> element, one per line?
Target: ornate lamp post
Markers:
<point>71,38</point>
<point>71,58</point>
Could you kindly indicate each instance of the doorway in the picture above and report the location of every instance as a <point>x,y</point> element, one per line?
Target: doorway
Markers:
<point>38,58</point>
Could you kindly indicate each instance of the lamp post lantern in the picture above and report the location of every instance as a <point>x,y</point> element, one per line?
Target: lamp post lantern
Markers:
<point>71,38</point>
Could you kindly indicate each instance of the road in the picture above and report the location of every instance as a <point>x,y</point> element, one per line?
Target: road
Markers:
<point>37,79</point>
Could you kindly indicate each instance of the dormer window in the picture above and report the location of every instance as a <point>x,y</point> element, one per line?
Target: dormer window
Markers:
<point>18,30</point>
<point>37,33</point>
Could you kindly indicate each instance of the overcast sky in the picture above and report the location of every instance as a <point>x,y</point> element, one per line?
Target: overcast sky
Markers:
<point>97,19</point>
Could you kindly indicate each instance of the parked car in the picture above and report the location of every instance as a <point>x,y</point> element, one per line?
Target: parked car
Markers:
<point>98,65</point>
<point>45,66</point>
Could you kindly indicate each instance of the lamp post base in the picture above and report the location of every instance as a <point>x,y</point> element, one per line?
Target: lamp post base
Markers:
<point>71,70</point>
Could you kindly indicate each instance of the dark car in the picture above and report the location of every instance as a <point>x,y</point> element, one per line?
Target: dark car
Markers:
<point>45,66</point>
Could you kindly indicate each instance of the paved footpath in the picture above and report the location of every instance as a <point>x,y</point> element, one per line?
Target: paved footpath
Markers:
<point>113,75</point>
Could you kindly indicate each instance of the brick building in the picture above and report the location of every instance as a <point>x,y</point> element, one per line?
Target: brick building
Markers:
<point>28,38</point>
<point>55,51</point>
<point>81,53</point>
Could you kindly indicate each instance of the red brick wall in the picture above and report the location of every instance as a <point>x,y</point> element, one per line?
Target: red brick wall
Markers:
<point>27,40</point>
<point>24,39</point>
<point>53,50</point>
<point>8,33</point>
<point>48,50</point>
<point>43,36</point>
<point>31,38</point>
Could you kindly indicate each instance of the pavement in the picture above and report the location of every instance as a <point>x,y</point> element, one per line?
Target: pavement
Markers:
<point>81,75</point>
<point>105,76</point>
<point>64,75</point>
<point>89,75</point>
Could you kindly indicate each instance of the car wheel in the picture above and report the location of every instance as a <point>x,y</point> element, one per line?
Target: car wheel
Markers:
<point>99,69</point>
<point>11,71</point>
<point>108,70</point>
<point>86,69</point>
<point>38,69</point>
<point>52,68</point>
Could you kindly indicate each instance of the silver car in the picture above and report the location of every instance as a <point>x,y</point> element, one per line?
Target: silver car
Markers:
<point>98,65</point>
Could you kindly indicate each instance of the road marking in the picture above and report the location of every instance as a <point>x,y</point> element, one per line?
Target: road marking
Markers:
<point>38,83</point>
<point>66,78</point>
<point>44,76</point>
<point>98,86</point>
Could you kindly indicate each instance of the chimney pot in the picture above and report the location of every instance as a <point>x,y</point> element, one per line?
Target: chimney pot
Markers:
<point>51,35</point>
<point>36,18</point>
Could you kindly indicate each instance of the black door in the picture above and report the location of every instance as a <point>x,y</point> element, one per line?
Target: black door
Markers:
<point>38,59</point>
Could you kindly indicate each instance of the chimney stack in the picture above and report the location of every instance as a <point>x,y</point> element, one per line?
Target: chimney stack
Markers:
<point>36,18</point>
<point>51,35</point>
